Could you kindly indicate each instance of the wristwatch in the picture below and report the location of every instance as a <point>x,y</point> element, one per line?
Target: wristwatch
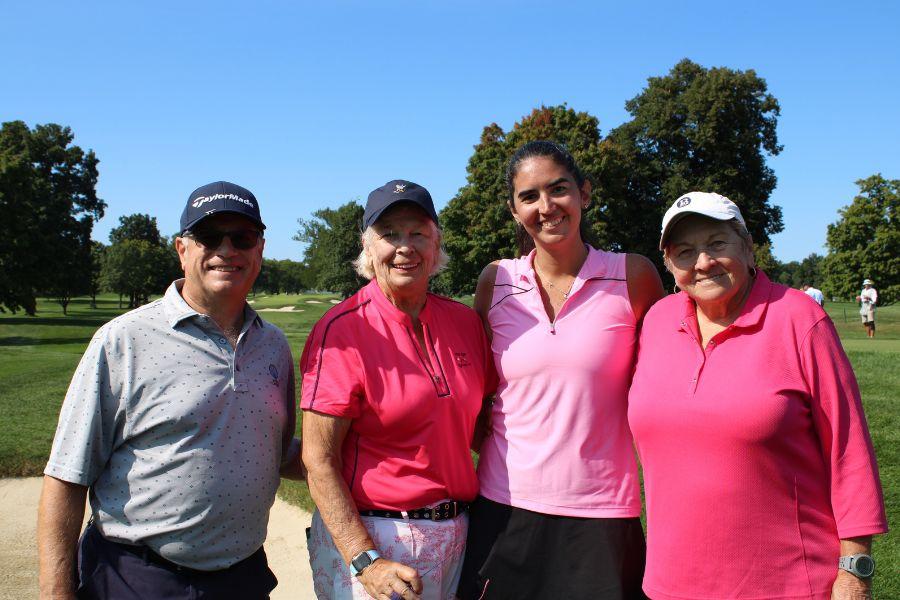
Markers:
<point>860,565</point>
<point>362,560</point>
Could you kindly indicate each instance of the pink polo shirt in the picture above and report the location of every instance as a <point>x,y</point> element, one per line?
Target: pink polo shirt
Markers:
<point>412,424</point>
<point>755,451</point>
<point>560,442</point>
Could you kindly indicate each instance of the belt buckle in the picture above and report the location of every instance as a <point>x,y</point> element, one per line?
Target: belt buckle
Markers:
<point>442,511</point>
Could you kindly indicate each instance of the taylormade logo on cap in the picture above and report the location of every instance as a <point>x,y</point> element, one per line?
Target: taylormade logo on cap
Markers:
<point>220,197</point>
<point>200,201</point>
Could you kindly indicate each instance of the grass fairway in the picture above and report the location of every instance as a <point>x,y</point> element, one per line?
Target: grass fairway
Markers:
<point>39,354</point>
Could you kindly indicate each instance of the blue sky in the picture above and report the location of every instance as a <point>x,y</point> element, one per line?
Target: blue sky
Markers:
<point>313,104</point>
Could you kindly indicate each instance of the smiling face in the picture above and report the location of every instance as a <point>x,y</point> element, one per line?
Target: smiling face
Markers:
<point>223,273</point>
<point>403,252</point>
<point>547,201</point>
<point>710,262</point>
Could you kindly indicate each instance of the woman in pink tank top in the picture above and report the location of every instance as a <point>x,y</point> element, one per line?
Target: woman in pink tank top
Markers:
<point>559,504</point>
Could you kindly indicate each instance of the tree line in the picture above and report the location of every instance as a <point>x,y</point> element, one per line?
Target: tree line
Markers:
<point>695,128</point>
<point>140,262</point>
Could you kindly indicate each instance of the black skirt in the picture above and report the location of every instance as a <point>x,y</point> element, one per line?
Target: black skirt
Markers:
<point>519,554</point>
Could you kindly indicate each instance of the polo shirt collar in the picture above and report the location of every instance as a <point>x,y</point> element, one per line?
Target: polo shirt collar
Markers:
<point>751,314</point>
<point>177,310</point>
<point>386,308</point>
<point>594,266</point>
<point>757,302</point>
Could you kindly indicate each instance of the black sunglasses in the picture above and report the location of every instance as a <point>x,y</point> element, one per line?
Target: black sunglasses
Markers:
<point>242,239</point>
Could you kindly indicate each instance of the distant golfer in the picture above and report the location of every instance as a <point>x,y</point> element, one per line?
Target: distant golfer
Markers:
<point>867,299</point>
<point>178,421</point>
<point>814,293</point>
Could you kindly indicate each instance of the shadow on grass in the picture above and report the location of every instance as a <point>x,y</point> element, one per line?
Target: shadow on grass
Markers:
<point>34,341</point>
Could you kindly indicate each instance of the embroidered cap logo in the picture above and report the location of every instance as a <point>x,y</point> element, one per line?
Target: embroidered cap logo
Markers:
<point>682,202</point>
<point>201,200</point>
<point>399,188</point>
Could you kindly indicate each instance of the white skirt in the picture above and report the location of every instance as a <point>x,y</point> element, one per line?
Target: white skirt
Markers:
<point>434,548</point>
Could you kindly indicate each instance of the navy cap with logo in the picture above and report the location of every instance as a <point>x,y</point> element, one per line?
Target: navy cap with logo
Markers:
<point>216,198</point>
<point>398,190</point>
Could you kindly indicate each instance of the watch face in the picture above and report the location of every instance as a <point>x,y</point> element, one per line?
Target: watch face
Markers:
<point>361,561</point>
<point>865,566</point>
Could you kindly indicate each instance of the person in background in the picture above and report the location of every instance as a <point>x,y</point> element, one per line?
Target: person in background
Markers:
<point>559,506</point>
<point>393,380</point>
<point>867,299</point>
<point>178,421</point>
<point>814,293</point>
<point>759,473</point>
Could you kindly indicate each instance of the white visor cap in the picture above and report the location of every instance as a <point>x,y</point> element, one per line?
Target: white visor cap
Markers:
<point>714,206</point>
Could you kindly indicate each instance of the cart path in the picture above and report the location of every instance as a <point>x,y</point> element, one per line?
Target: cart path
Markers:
<point>285,544</point>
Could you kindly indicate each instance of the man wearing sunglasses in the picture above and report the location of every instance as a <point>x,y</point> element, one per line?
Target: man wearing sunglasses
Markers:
<point>179,421</point>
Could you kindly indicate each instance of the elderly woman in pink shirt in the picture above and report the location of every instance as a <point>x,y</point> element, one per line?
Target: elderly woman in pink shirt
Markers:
<point>759,473</point>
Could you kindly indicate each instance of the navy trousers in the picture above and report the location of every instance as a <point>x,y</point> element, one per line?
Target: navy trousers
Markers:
<point>110,570</point>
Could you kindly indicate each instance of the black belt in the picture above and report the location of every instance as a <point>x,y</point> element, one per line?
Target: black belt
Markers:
<point>440,512</point>
<point>151,556</point>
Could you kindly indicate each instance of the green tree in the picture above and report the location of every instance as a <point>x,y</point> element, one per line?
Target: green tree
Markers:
<point>139,262</point>
<point>797,273</point>
<point>766,261</point>
<point>477,225</point>
<point>865,242</point>
<point>137,269</point>
<point>98,252</point>
<point>295,277</point>
<point>693,129</point>
<point>49,204</point>
<point>74,275</point>
<point>283,276</point>
<point>333,238</point>
<point>137,227</point>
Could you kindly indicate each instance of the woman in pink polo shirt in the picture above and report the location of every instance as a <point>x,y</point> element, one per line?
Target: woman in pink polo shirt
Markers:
<point>759,473</point>
<point>393,380</point>
<point>559,504</point>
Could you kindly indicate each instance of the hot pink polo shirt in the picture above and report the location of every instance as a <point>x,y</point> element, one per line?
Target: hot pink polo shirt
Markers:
<point>408,443</point>
<point>756,453</point>
<point>560,442</point>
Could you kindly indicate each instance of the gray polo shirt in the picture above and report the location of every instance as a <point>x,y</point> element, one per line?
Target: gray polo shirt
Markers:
<point>178,435</point>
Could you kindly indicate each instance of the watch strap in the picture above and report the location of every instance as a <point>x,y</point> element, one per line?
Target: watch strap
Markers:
<point>851,564</point>
<point>362,560</point>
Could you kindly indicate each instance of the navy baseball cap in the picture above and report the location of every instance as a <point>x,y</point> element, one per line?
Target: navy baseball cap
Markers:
<point>398,190</point>
<point>219,197</point>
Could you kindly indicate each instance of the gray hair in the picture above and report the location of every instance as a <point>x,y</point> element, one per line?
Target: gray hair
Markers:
<point>363,263</point>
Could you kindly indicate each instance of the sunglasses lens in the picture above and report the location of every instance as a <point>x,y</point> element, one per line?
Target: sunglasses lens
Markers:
<point>242,239</point>
<point>209,238</point>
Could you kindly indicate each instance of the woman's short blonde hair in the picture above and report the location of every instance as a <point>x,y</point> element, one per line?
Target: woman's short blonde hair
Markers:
<point>363,263</point>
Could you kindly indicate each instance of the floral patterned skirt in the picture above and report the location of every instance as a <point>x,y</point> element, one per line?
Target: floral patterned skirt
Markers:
<point>434,548</point>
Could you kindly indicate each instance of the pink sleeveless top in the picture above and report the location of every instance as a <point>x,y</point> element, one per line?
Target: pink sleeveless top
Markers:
<point>560,442</point>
